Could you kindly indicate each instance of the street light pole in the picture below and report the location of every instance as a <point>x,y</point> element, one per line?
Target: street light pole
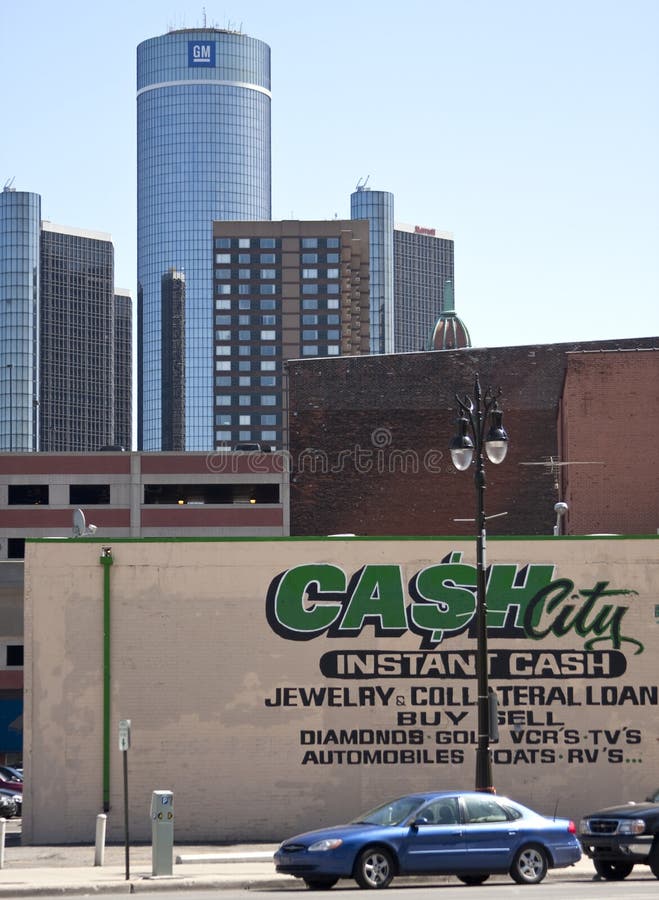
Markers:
<point>474,415</point>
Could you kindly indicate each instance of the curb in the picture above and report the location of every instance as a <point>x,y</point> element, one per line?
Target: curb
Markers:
<point>139,886</point>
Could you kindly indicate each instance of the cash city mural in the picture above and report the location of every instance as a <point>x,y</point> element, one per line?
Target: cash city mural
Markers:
<point>306,680</point>
<point>432,721</point>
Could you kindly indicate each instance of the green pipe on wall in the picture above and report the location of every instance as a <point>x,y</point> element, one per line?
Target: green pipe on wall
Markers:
<point>106,561</point>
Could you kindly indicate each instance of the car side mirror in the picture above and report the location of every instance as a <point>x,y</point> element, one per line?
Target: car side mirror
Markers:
<point>420,821</point>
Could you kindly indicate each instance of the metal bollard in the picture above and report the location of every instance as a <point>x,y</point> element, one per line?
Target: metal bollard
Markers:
<point>3,831</point>
<point>99,852</point>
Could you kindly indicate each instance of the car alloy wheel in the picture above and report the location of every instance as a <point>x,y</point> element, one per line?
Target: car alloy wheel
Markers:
<point>374,869</point>
<point>612,871</point>
<point>529,865</point>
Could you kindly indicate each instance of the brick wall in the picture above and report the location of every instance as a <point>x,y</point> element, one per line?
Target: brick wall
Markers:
<point>354,420</point>
<point>610,431</point>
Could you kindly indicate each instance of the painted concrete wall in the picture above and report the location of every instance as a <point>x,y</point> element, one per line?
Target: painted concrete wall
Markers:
<point>272,698</point>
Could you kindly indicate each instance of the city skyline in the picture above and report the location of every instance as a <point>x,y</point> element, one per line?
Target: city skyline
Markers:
<point>529,133</point>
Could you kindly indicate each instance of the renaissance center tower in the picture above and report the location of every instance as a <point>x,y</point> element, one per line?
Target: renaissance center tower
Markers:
<point>203,155</point>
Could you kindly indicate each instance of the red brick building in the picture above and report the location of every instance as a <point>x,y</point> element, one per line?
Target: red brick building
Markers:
<point>609,433</point>
<point>370,436</point>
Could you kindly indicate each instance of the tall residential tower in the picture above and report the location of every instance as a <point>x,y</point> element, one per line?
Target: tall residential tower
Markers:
<point>203,155</point>
<point>283,290</point>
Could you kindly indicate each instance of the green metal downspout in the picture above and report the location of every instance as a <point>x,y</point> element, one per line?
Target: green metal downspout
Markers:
<point>106,561</point>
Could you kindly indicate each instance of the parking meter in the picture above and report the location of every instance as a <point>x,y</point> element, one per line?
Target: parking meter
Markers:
<point>162,832</point>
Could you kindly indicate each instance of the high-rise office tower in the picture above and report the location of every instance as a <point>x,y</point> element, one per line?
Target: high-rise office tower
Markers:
<point>65,336</point>
<point>77,340</point>
<point>203,154</point>
<point>410,265</point>
<point>283,290</point>
<point>423,267</point>
<point>123,368</point>
<point>20,226</point>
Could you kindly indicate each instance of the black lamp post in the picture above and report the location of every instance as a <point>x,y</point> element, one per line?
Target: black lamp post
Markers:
<point>480,429</point>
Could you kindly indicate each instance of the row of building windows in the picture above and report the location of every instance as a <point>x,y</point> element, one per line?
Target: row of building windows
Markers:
<point>246,399</point>
<point>252,274</point>
<point>247,350</point>
<point>99,494</point>
<point>272,350</point>
<point>38,494</point>
<point>307,243</point>
<point>265,334</point>
<point>246,381</point>
<point>245,243</point>
<point>245,365</point>
<point>247,304</point>
<point>254,321</point>
<point>246,419</point>
<point>230,437</point>
<point>264,289</point>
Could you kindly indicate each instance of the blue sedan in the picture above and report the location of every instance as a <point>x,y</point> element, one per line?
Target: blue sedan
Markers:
<point>469,834</point>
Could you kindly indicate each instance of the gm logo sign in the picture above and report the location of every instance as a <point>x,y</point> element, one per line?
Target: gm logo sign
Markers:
<point>202,55</point>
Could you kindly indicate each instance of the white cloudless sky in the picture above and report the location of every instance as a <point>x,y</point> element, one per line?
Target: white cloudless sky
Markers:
<point>528,129</point>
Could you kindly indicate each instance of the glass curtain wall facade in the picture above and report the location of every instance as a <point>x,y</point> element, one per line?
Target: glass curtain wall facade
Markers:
<point>173,361</point>
<point>378,208</point>
<point>123,373</point>
<point>77,340</point>
<point>423,265</point>
<point>20,224</point>
<point>203,154</point>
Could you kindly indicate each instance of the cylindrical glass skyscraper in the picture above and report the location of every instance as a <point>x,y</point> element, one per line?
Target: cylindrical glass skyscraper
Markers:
<point>203,155</point>
<point>378,208</point>
<point>20,229</point>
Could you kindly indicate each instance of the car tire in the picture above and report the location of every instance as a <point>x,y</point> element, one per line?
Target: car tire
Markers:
<point>612,871</point>
<point>320,884</point>
<point>374,869</point>
<point>653,858</point>
<point>473,880</point>
<point>529,865</point>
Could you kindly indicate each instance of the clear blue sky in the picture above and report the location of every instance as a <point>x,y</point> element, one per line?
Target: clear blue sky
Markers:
<point>528,129</point>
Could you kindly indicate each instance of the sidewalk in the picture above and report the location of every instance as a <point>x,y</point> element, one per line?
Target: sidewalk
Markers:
<point>65,869</point>
<point>43,871</point>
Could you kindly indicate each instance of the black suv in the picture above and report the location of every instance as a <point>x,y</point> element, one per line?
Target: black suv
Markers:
<point>619,837</point>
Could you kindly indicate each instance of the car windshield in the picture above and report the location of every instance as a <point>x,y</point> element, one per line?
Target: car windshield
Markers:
<point>392,813</point>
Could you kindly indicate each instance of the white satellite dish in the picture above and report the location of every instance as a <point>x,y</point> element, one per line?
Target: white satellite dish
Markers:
<point>80,527</point>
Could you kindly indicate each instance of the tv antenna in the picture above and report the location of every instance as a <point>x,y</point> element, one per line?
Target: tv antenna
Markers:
<point>554,464</point>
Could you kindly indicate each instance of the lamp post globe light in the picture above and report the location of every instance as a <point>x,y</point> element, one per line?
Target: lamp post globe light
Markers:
<point>480,429</point>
